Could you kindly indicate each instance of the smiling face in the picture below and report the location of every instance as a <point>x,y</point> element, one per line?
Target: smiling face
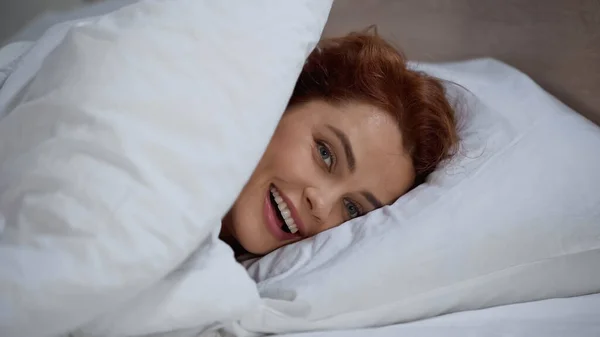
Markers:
<point>325,164</point>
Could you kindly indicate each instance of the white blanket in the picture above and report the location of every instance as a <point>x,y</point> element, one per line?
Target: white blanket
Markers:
<point>124,141</point>
<point>564,317</point>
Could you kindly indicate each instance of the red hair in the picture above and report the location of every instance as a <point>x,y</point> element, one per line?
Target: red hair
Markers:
<point>363,67</point>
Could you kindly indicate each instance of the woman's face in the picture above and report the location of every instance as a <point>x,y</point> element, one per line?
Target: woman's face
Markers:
<point>325,165</point>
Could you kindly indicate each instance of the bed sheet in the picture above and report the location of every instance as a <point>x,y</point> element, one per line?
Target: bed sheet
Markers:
<point>576,316</point>
<point>34,29</point>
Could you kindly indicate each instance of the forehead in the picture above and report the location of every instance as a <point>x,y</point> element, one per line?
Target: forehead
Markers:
<point>383,166</point>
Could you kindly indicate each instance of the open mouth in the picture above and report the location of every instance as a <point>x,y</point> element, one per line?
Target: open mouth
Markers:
<point>283,213</point>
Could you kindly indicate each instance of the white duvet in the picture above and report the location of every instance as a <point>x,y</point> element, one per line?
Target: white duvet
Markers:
<point>564,317</point>
<point>126,139</point>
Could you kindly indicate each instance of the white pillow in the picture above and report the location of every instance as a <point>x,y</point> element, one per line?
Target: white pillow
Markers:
<point>125,151</point>
<point>514,217</point>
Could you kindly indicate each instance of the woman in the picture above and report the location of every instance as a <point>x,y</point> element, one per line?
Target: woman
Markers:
<point>360,131</point>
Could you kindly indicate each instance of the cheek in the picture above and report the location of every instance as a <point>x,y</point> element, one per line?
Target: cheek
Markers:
<point>290,156</point>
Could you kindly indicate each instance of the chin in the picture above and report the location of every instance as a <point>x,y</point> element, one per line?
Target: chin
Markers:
<point>253,238</point>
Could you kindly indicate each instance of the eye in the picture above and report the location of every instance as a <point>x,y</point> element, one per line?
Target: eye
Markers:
<point>325,154</point>
<point>352,209</point>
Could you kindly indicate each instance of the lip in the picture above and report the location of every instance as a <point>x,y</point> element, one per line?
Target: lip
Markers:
<point>274,223</point>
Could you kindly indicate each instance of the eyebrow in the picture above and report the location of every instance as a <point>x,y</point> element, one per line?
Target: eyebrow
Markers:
<point>372,199</point>
<point>350,159</point>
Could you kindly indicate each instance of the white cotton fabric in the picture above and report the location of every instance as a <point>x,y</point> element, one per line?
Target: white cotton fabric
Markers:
<point>575,316</point>
<point>38,26</point>
<point>127,138</point>
<point>10,55</point>
<point>514,217</point>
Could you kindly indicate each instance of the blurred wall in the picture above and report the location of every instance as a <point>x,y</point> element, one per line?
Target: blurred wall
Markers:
<point>556,42</point>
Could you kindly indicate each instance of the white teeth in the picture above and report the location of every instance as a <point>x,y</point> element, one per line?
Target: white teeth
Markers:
<point>291,225</point>
<point>285,212</point>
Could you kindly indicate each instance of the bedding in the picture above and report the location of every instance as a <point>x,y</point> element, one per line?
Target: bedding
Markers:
<point>38,26</point>
<point>576,316</point>
<point>9,58</point>
<point>514,217</point>
<point>126,139</point>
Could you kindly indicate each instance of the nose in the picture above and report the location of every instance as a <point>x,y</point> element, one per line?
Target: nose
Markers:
<point>320,204</point>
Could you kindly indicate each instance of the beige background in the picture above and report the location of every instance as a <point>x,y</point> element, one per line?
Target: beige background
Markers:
<point>556,42</point>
